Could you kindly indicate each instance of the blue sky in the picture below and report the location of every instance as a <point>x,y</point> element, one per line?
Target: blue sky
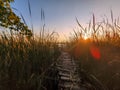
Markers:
<point>60,14</point>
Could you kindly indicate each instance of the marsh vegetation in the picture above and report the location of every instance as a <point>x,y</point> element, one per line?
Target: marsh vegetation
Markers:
<point>26,59</point>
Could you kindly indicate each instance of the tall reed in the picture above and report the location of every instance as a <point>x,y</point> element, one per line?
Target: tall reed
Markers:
<point>23,60</point>
<point>103,36</point>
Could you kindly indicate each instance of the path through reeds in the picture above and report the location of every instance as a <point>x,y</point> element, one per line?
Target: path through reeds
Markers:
<point>69,77</point>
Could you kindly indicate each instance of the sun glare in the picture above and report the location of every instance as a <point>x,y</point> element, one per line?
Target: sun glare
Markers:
<point>85,37</point>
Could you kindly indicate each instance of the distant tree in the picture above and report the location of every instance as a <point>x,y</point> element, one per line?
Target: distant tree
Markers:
<point>9,19</point>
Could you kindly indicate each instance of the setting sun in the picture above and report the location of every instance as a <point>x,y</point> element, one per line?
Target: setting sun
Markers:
<point>85,37</point>
<point>59,45</point>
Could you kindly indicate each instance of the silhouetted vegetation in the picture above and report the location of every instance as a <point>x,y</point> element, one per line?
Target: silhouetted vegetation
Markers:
<point>9,19</point>
<point>98,55</point>
<point>25,61</point>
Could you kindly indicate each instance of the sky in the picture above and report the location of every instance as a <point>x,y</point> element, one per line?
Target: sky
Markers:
<point>60,14</point>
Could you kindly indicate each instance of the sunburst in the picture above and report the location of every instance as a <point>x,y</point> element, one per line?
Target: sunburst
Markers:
<point>85,37</point>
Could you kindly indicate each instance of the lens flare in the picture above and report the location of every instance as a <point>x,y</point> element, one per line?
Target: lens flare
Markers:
<point>95,52</point>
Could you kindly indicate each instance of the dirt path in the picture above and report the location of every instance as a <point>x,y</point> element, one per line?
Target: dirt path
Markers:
<point>69,77</point>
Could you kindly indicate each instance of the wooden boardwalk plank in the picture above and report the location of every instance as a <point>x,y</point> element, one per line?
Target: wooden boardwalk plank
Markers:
<point>69,79</point>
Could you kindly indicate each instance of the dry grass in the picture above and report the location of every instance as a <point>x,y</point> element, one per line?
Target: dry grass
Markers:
<point>24,62</point>
<point>104,36</point>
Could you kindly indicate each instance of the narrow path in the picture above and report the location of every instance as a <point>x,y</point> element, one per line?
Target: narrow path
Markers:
<point>69,77</point>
